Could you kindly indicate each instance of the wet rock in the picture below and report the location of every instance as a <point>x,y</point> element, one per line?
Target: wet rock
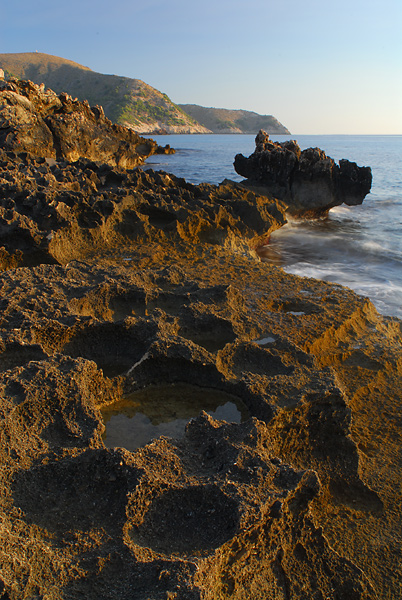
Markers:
<point>308,181</point>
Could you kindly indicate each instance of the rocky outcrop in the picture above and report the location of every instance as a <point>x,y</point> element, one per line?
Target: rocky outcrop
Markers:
<point>54,211</point>
<point>48,125</point>
<point>308,181</point>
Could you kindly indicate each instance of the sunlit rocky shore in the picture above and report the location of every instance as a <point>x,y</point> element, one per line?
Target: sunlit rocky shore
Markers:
<point>115,282</point>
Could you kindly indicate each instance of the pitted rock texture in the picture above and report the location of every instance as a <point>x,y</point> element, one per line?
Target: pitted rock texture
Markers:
<point>52,211</point>
<point>308,181</point>
<point>278,506</point>
<point>48,125</point>
<point>117,281</point>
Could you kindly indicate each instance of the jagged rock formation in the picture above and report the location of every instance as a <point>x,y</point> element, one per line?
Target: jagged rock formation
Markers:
<point>39,121</point>
<point>54,211</point>
<point>308,181</point>
<point>153,303</point>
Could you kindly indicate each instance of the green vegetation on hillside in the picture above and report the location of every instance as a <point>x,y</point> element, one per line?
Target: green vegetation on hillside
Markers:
<point>225,120</point>
<point>125,101</point>
<point>144,106</point>
<point>131,102</point>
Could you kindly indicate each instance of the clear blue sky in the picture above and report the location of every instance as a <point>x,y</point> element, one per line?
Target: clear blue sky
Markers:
<point>317,66</point>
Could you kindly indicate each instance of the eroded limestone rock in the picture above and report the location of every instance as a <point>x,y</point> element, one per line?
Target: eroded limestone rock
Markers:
<point>48,125</point>
<point>52,211</point>
<point>282,502</point>
<point>115,282</point>
<point>308,181</point>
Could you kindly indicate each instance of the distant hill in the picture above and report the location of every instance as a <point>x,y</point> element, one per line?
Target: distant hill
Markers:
<point>132,102</point>
<point>126,101</point>
<point>222,120</point>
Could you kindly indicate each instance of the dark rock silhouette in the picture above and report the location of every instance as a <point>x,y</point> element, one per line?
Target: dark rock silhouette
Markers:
<point>308,181</point>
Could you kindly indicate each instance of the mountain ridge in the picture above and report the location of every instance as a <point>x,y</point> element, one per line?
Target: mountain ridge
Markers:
<point>131,102</point>
<point>224,120</point>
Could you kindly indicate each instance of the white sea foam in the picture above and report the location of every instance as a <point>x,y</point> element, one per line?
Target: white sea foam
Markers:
<point>373,245</point>
<point>341,210</point>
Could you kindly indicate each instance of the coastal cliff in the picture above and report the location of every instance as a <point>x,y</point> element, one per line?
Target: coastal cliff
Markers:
<point>125,101</point>
<point>129,290</point>
<point>222,120</point>
<point>132,102</point>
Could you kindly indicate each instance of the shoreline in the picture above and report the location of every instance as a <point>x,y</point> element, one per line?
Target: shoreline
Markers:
<point>115,281</point>
<point>80,336</point>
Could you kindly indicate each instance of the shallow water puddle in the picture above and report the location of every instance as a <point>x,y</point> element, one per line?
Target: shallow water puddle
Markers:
<point>165,410</point>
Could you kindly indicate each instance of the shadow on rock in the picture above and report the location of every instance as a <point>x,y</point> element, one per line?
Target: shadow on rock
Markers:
<point>196,519</point>
<point>85,492</point>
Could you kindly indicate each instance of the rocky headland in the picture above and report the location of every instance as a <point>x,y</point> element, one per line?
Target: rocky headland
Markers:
<point>132,102</point>
<point>223,120</point>
<point>124,286</point>
<point>126,101</point>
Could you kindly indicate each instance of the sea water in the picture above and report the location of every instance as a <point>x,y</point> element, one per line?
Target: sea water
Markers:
<point>359,246</point>
<point>165,409</point>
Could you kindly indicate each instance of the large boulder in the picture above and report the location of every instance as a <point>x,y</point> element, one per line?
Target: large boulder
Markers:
<point>48,125</point>
<point>308,181</point>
